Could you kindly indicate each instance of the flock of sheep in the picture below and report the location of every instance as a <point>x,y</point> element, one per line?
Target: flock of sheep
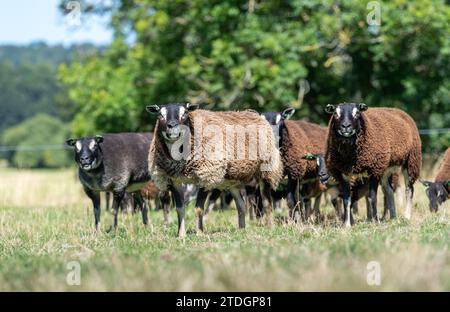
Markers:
<point>259,159</point>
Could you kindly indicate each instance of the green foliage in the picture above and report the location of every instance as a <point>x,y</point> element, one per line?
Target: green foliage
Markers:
<point>40,130</point>
<point>28,83</point>
<point>255,54</point>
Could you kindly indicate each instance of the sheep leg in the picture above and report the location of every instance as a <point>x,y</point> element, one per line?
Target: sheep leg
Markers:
<point>337,208</point>
<point>368,209</point>
<point>266,191</point>
<point>259,201</point>
<point>409,191</point>
<point>143,205</point>
<point>107,198</point>
<point>317,206</point>
<point>373,188</point>
<point>95,197</point>
<point>222,201</point>
<point>202,196</point>
<point>117,201</point>
<point>385,208</point>
<point>251,201</point>
<point>179,203</point>
<point>307,204</point>
<point>164,200</point>
<point>240,206</point>
<point>291,198</point>
<point>389,201</point>
<point>347,204</point>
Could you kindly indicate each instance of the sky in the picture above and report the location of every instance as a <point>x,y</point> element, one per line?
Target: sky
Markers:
<point>25,21</point>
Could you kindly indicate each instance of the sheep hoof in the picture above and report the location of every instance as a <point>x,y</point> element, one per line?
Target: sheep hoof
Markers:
<point>347,225</point>
<point>112,229</point>
<point>181,234</point>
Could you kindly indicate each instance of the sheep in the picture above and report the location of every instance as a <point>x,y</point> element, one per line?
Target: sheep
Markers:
<point>372,143</point>
<point>116,163</point>
<point>296,138</point>
<point>201,147</point>
<point>439,190</point>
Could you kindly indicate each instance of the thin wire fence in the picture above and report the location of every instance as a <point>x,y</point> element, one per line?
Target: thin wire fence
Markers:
<point>56,147</point>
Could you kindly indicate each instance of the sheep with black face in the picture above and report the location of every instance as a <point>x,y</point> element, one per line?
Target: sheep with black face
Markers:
<point>116,163</point>
<point>373,144</point>
<point>439,190</point>
<point>193,146</point>
<point>296,138</point>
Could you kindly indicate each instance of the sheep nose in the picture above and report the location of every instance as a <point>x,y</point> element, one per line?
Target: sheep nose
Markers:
<point>172,124</point>
<point>346,125</point>
<point>84,158</point>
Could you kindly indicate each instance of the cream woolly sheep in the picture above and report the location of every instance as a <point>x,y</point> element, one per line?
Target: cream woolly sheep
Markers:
<point>372,143</point>
<point>223,150</point>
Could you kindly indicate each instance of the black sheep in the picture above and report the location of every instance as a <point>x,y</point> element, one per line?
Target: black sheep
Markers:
<point>116,163</point>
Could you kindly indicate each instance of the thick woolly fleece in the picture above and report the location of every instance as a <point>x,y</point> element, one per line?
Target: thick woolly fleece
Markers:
<point>388,137</point>
<point>208,165</point>
<point>443,174</point>
<point>297,139</point>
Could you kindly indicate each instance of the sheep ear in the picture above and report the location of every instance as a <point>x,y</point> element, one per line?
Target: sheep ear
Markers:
<point>330,108</point>
<point>71,142</point>
<point>309,156</point>
<point>153,109</point>
<point>252,110</point>
<point>287,113</point>
<point>362,107</point>
<point>191,107</point>
<point>425,183</point>
<point>98,139</point>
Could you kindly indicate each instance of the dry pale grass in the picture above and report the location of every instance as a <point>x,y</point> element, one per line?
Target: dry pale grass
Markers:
<point>46,222</point>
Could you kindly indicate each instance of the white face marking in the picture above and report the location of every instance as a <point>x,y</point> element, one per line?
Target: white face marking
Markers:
<point>92,145</point>
<point>181,112</point>
<point>318,162</point>
<point>78,146</point>
<point>338,112</point>
<point>354,111</point>
<point>439,193</point>
<point>164,113</point>
<point>278,119</point>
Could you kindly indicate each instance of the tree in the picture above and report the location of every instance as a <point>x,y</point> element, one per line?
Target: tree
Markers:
<point>235,54</point>
<point>28,82</point>
<point>33,134</point>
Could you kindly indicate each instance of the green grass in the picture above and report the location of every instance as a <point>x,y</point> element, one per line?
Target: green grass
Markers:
<point>41,232</point>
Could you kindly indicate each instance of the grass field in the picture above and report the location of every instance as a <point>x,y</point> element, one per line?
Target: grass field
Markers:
<point>46,222</point>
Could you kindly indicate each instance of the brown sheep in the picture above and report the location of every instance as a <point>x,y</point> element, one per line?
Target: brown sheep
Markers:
<point>296,138</point>
<point>372,143</point>
<point>197,147</point>
<point>439,190</point>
